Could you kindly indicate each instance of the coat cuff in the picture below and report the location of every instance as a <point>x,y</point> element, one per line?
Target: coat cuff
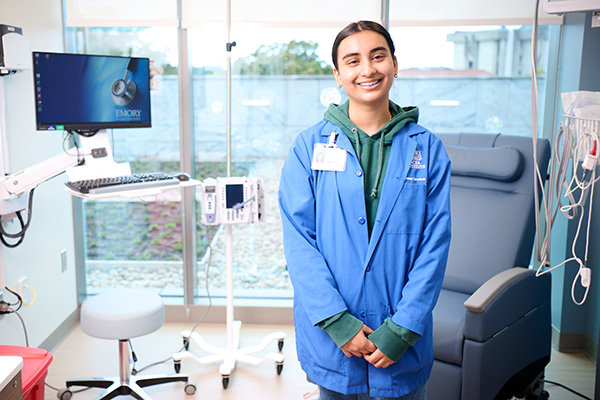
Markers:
<point>341,327</point>
<point>393,339</point>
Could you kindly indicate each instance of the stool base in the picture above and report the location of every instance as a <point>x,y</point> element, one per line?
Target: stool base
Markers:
<point>125,384</point>
<point>114,387</point>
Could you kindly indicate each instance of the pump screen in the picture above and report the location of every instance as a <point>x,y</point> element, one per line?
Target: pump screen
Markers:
<point>234,195</point>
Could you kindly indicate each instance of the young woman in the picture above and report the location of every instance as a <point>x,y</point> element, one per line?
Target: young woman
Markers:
<point>364,200</point>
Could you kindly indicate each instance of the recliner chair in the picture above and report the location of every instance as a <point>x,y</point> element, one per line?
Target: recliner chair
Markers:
<point>492,335</point>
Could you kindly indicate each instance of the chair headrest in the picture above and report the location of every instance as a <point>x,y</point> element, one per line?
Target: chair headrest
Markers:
<point>503,163</point>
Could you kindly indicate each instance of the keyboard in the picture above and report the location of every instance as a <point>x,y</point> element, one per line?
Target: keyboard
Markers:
<point>123,183</point>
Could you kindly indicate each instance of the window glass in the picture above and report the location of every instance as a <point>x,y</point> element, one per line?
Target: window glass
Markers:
<point>467,12</point>
<point>281,83</point>
<point>138,242</point>
<point>111,13</point>
<point>470,78</point>
<point>463,79</point>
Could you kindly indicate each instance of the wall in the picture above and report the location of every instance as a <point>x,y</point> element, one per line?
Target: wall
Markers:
<point>51,229</point>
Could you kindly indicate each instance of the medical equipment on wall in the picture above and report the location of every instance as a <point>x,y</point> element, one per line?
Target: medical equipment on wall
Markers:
<point>573,164</point>
<point>14,50</point>
<point>576,153</point>
<point>233,200</point>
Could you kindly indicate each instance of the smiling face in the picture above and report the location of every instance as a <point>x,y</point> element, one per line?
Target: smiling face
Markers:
<point>366,68</point>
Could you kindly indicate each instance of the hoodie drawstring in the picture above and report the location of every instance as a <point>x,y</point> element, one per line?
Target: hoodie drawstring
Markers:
<point>355,132</point>
<point>379,165</point>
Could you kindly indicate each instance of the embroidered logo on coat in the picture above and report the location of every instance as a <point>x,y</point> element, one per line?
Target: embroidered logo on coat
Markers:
<point>416,161</point>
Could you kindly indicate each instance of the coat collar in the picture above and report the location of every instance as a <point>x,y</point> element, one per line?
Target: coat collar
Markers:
<point>403,145</point>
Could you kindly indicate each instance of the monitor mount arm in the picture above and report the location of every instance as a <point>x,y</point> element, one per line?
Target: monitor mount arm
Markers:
<point>14,188</point>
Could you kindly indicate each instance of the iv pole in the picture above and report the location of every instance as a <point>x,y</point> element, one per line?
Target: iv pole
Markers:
<point>232,353</point>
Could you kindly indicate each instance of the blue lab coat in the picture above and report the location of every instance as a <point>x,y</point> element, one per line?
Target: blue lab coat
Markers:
<point>334,266</point>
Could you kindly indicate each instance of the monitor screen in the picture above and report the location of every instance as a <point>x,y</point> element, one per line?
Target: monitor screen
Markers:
<point>85,93</point>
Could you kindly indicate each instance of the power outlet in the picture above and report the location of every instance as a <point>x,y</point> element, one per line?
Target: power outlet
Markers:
<point>21,283</point>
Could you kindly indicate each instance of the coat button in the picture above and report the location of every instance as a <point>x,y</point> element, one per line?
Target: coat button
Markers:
<point>361,221</point>
<point>363,314</point>
<point>359,173</point>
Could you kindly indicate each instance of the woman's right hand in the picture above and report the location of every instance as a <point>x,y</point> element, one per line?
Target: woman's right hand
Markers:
<point>359,345</point>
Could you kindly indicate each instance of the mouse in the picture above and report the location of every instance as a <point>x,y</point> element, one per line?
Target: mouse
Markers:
<point>182,176</point>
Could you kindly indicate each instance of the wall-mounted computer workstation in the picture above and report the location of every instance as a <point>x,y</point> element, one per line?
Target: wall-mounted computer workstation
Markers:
<point>79,98</point>
<point>88,95</point>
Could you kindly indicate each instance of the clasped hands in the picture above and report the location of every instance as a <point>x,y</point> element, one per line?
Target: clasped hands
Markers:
<point>361,346</point>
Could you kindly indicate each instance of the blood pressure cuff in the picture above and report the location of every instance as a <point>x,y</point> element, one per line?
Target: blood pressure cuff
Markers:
<point>504,163</point>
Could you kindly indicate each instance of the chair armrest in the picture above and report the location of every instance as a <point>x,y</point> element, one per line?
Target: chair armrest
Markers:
<point>487,292</point>
<point>504,299</point>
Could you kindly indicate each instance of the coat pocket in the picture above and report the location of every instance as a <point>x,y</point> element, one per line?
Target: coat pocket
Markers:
<point>409,210</point>
<point>317,346</point>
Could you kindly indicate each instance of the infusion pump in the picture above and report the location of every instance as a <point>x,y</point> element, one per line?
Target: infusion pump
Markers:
<point>234,200</point>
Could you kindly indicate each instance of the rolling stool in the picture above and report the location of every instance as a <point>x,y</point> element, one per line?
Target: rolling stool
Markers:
<point>123,314</point>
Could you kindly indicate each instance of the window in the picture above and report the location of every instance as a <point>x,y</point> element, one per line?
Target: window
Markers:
<point>470,78</point>
<point>281,83</point>
<point>466,71</point>
<point>138,242</point>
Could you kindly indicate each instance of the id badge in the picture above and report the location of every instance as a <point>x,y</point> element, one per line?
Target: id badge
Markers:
<point>328,157</point>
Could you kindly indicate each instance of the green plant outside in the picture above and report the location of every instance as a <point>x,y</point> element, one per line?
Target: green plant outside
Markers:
<point>135,230</point>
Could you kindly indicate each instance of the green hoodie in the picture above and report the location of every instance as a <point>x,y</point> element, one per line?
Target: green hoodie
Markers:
<point>372,151</point>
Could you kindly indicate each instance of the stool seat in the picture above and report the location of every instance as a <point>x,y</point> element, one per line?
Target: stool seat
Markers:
<point>122,314</point>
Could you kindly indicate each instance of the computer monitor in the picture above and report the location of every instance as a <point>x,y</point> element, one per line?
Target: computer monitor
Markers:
<point>85,93</point>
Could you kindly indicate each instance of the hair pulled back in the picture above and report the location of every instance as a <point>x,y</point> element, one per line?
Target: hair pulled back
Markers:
<point>360,26</point>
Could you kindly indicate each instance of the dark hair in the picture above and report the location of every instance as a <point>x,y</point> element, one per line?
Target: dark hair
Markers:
<point>359,27</point>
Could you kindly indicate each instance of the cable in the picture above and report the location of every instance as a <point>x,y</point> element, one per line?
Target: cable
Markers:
<point>186,342</point>
<point>208,263</point>
<point>70,136</point>
<point>72,391</point>
<point>13,311</point>
<point>34,295</point>
<point>22,323</point>
<point>19,299</point>
<point>86,133</point>
<point>566,388</point>
<point>24,226</point>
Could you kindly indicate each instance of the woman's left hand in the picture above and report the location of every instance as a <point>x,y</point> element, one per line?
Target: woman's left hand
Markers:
<point>378,359</point>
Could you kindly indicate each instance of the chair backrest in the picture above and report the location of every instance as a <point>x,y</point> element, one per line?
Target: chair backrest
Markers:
<point>492,200</point>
